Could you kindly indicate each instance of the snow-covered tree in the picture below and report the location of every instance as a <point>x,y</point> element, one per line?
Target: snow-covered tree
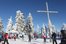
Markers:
<point>9,25</point>
<point>38,29</point>
<point>54,29</point>
<point>43,29</point>
<point>51,27</point>
<point>20,21</point>
<point>30,23</point>
<point>63,26</point>
<point>1,25</point>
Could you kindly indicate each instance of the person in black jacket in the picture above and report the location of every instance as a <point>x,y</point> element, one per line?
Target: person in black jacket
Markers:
<point>29,37</point>
<point>54,37</point>
<point>63,37</point>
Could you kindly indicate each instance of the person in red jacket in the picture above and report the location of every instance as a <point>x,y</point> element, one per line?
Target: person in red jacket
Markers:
<point>6,38</point>
<point>35,35</point>
<point>44,37</point>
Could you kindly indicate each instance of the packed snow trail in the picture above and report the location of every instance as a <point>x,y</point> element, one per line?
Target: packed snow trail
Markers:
<point>38,41</point>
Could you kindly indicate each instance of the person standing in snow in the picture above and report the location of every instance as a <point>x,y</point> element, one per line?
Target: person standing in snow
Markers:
<point>54,37</point>
<point>6,38</point>
<point>29,36</point>
<point>44,37</point>
<point>15,37</point>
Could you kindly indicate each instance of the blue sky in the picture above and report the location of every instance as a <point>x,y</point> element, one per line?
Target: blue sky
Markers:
<point>9,7</point>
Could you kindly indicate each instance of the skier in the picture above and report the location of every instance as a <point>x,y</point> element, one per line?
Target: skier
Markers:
<point>54,37</point>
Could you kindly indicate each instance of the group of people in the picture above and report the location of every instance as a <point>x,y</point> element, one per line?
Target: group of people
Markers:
<point>29,37</point>
<point>44,37</point>
<point>4,37</point>
<point>53,37</point>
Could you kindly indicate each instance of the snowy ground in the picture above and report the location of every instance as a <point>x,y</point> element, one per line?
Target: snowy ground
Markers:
<point>38,41</point>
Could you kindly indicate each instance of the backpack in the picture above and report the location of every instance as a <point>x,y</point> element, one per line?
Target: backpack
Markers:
<point>0,36</point>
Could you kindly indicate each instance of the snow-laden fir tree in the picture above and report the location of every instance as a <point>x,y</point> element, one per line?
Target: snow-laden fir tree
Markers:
<point>43,29</point>
<point>54,29</point>
<point>63,26</point>
<point>51,28</point>
<point>38,29</point>
<point>30,23</point>
<point>9,25</point>
<point>1,25</point>
<point>20,21</point>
